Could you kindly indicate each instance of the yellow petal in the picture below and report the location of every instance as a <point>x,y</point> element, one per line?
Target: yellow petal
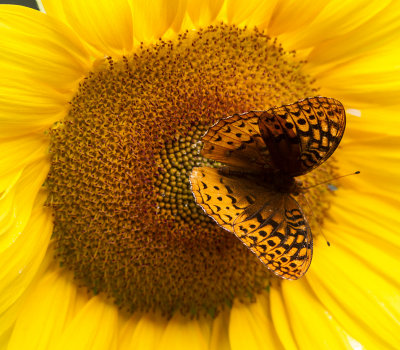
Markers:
<point>16,206</point>
<point>44,314</point>
<point>53,310</point>
<point>8,181</point>
<point>16,153</point>
<point>365,303</point>
<point>364,120</point>
<point>370,155</point>
<point>372,78</point>
<point>50,55</point>
<point>251,326</point>
<point>378,31</point>
<point>148,332</point>
<point>336,18</point>
<point>152,19</point>
<point>54,9</point>
<point>280,317</point>
<point>219,334</point>
<point>359,211</point>
<point>26,109</point>
<point>293,14</point>
<point>204,12</point>
<point>250,12</point>
<point>94,327</point>
<point>313,326</point>
<point>21,261</point>
<point>105,25</point>
<point>375,67</point>
<point>4,334</point>
<point>182,333</point>
<point>127,329</point>
<point>7,319</point>
<point>363,246</point>
<point>383,95</point>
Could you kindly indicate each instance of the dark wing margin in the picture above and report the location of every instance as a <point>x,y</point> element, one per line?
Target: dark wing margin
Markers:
<point>236,141</point>
<point>302,135</point>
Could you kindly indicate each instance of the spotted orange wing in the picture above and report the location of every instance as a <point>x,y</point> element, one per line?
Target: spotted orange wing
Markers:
<point>236,141</point>
<point>279,234</point>
<point>302,135</point>
<point>271,224</point>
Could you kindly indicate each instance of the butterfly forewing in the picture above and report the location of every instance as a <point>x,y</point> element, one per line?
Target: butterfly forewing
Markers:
<point>269,223</point>
<point>236,141</point>
<point>302,135</point>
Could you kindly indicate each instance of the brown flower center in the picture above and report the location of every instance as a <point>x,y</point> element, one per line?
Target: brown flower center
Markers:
<point>125,220</point>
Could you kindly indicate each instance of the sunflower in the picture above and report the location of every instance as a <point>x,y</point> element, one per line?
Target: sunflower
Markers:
<point>103,105</point>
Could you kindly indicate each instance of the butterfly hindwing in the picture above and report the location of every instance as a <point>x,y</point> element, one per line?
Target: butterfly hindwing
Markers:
<point>277,231</point>
<point>302,135</point>
<point>269,223</point>
<point>236,141</point>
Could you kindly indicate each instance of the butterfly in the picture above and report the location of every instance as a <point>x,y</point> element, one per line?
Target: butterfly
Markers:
<point>255,196</point>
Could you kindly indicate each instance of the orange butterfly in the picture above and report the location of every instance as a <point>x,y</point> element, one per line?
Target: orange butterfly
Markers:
<point>255,195</point>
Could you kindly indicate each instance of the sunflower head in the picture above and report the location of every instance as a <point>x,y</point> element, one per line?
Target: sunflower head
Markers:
<point>125,219</point>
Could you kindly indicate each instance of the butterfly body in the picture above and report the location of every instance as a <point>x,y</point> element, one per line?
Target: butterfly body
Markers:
<point>255,195</point>
<point>277,180</point>
<point>284,183</point>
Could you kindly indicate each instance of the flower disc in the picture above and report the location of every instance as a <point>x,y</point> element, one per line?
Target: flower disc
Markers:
<point>125,220</point>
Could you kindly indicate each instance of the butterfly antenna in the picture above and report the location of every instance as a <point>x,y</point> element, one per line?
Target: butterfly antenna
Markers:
<point>312,214</point>
<point>333,179</point>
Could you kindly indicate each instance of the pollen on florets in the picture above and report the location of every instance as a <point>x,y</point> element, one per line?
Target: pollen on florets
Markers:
<point>125,220</point>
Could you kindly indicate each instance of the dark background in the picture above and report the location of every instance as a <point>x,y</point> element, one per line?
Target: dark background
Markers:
<point>29,3</point>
